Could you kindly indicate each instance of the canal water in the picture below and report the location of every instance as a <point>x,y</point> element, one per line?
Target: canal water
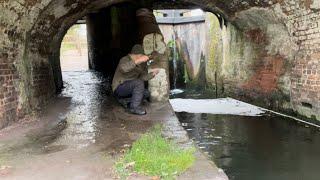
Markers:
<point>268,147</point>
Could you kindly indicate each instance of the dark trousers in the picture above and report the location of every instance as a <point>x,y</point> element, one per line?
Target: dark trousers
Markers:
<point>134,89</point>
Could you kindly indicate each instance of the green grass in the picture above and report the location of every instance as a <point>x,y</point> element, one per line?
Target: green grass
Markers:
<point>153,155</point>
<point>67,46</point>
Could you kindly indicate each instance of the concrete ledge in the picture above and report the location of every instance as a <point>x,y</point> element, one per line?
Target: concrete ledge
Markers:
<point>203,168</point>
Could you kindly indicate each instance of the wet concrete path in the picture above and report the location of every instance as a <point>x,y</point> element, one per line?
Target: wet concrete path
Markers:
<point>78,137</point>
<point>82,133</point>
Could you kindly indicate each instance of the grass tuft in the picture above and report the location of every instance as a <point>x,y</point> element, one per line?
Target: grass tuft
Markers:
<point>153,155</point>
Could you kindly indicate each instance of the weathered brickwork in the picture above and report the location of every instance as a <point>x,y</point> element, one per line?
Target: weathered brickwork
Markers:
<point>266,75</point>
<point>31,30</point>
<point>284,74</point>
<point>303,23</point>
<point>16,73</point>
<point>8,92</point>
<point>42,84</point>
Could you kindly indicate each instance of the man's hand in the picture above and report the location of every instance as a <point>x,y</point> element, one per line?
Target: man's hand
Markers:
<point>138,59</point>
<point>154,72</point>
<point>154,54</point>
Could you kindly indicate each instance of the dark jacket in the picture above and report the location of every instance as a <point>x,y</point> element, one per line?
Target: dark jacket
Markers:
<point>128,70</point>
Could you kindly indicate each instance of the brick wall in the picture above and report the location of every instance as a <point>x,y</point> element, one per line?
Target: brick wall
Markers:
<point>8,92</point>
<point>303,22</point>
<point>284,75</point>
<point>20,79</point>
<point>266,75</point>
<point>42,85</point>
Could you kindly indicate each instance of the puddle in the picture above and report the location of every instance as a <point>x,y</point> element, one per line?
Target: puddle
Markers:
<point>81,117</point>
<point>78,136</point>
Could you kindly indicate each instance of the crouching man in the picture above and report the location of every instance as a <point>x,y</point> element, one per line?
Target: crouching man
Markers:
<point>129,79</point>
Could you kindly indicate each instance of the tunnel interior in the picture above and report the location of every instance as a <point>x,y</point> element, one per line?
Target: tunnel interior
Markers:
<point>112,32</point>
<point>258,52</point>
<point>74,49</point>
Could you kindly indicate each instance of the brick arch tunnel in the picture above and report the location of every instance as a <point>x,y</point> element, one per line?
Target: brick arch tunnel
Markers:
<point>32,31</point>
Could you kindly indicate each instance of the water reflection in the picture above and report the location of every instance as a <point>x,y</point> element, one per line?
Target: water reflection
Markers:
<point>257,148</point>
<point>88,91</point>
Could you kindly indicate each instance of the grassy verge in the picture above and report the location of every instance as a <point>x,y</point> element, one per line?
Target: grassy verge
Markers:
<point>153,155</point>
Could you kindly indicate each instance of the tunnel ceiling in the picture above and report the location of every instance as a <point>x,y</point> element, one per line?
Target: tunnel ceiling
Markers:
<point>54,20</point>
<point>227,7</point>
<point>49,20</point>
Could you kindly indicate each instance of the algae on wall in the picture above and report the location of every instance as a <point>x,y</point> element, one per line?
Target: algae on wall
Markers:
<point>250,59</point>
<point>239,56</point>
<point>219,46</point>
<point>213,37</point>
<point>229,55</point>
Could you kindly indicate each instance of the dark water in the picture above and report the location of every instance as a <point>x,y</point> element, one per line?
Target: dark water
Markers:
<point>257,148</point>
